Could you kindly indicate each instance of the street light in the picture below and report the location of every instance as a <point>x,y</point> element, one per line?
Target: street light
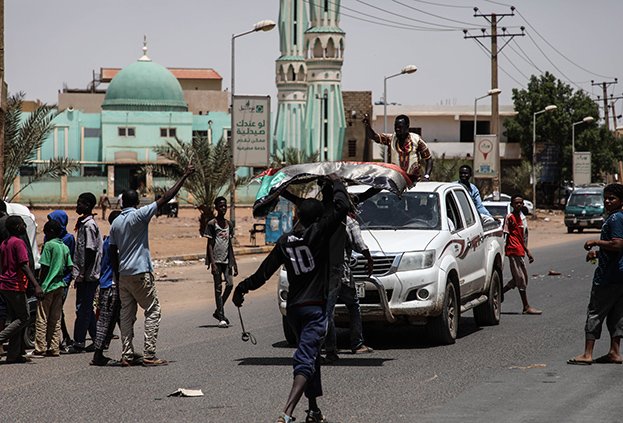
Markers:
<point>406,70</point>
<point>265,25</point>
<point>546,109</point>
<point>494,91</point>
<point>587,119</point>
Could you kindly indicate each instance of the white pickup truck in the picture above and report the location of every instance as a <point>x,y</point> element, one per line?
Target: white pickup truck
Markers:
<point>433,260</point>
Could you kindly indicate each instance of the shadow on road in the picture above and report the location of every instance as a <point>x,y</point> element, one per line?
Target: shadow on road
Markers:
<point>287,361</point>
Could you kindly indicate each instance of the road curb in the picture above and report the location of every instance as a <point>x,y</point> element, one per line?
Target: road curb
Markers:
<point>241,251</point>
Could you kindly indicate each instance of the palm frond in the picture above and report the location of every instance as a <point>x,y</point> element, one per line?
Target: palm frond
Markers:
<point>23,137</point>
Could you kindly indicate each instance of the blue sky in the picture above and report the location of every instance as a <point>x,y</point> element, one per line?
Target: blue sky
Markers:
<point>48,44</point>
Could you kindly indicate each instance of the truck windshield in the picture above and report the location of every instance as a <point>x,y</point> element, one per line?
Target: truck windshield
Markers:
<point>586,200</point>
<point>414,210</point>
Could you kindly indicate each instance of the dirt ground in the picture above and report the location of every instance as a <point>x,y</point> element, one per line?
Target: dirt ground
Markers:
<point>169,236</point>
<point>180,236</point>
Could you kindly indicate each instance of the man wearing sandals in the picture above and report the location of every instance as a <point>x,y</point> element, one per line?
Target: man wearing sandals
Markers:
<point>606,298</point>
<point>132,267</point>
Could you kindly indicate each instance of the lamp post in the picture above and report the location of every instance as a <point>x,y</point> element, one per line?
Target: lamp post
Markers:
<point>587,119</point>
<point>406,70</point>
<point>546,109</point>
<point>265,25</point>
<point>494,91</point>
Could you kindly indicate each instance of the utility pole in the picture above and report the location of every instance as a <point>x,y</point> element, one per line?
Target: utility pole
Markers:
<point>604,86</point>
<point>493,19</point>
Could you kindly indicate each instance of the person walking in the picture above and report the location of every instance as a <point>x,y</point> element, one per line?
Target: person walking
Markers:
<point>132,267</point>
<point>86,272</point>
<point>606,298</point>
<point>14,278</point>
<point>305,254</point>
<point>220,258</point>
<point>109,305</point>
<point>516,248</point>
<point>104,203</point>
<point>347,294</point>
<point>55,261</point>
<point>408,150</point>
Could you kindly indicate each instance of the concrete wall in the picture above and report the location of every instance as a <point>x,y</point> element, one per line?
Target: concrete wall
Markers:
<point>202,102</point>
<point>356,105</point>
<point>85,102</point>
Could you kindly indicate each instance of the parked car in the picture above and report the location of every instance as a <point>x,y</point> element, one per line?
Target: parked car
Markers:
<point>433,260</point>
<point>529,206</point>
<point>585,208</point>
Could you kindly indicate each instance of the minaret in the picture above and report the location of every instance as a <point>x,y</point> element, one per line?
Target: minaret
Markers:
<point>325,123</point>
<point>291,75</point>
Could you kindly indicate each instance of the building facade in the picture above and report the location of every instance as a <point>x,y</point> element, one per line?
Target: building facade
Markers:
<point>112,133</point>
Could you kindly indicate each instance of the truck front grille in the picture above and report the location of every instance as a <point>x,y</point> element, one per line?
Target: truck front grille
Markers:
<point>382,264</point>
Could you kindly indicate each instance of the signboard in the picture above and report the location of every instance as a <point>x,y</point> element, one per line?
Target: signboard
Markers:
<point>251,130</point>
<point>582,168</point>
<point>485,149</point>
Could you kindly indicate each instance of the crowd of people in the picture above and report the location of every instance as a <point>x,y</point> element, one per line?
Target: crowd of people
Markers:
<point>315,255</point>
<point>119,267</point>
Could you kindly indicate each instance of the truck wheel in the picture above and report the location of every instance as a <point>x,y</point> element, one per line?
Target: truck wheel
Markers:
<point>288,332</point>
<point>443,328</point>
<point>29,335</point>
<point>488,313</point>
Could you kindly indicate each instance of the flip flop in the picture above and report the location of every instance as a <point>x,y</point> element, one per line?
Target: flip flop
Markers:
<point>605,359</point>
<point>579,362</point>
<point>108,362</point>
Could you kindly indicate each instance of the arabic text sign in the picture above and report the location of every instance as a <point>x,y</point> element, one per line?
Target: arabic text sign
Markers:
<point>582,168</point>
<point>485,165</point>
<point>251,130</point>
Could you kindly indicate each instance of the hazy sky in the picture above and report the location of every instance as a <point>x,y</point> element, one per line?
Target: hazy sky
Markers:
<point>49,43</point>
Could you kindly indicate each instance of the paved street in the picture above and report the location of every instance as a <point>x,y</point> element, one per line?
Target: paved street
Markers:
<point>514,372</point>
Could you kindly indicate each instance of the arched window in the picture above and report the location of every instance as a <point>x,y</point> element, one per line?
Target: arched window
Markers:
<point>300,76</point>
<point>331,49</point>
<point>318,53</point>
<point>291,76</point>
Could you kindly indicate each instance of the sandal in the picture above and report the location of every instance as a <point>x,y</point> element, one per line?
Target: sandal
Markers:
<point>363,349</point>
<point>106,362</point>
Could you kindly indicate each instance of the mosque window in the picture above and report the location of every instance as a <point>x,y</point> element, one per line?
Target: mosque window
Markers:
<point>200,134</point>
<point>168,132</point>
<point>126,131</point>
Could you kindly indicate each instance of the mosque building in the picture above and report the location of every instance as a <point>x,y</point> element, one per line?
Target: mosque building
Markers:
<point>111,133</point>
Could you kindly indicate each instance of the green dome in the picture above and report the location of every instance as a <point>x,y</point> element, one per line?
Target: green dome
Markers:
<point>145,86</point>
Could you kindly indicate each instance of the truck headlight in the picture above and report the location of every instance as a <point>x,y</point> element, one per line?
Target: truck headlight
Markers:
<point>414,260</point>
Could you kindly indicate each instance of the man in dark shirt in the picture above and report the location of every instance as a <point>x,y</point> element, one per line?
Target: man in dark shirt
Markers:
<point>305,255</point>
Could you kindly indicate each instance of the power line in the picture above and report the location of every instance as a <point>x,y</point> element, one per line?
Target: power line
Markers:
<point>504,71</point>
<point>432,3</point>
<point>524,56</point>
<point>552,63</point>
<point>400,16</point>
<point>557,51</point>
<point>515,66</point>
<point>431,14</point>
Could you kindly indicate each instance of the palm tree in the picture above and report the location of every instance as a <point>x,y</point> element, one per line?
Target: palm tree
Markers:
<point>23,137</point>
<point>213,169</point>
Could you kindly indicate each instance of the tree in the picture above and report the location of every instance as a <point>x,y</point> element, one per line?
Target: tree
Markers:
<point>24,135</point>
<point>555,126</point>
<point>213,170</point>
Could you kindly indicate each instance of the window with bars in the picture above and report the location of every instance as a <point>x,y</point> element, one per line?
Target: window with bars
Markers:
<point>168,132</point>
<point>126,131</point>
